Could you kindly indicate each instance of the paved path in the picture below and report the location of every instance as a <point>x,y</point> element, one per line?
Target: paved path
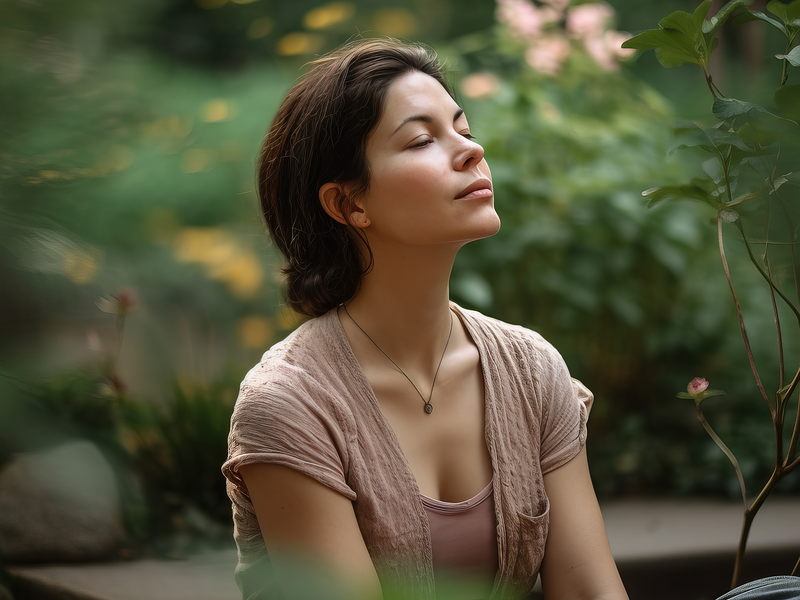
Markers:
<point>654,529</point>
<point>639,530</point>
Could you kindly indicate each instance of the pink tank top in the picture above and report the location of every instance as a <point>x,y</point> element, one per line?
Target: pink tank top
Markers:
<point>464,536</point>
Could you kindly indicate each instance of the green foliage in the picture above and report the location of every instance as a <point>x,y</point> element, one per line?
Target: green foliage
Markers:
<point>685,38</point>
<point>752,181</point>
<point>178,448</point>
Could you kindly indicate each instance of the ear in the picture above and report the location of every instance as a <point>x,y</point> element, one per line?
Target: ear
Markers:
<point>334,200</point>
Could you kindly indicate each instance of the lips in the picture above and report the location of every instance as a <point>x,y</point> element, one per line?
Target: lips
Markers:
<point>478,189</point>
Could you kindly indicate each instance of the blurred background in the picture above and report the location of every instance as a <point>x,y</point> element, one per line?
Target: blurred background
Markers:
<point>137,285</point>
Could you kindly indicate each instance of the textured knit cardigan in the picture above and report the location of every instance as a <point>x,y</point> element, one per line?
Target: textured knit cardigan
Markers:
<point>308,406</point>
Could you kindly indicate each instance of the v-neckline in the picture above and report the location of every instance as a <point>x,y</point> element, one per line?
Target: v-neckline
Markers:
<point>363,381</point>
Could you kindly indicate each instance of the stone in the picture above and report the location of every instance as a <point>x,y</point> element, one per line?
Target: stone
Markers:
<point>59,505</point>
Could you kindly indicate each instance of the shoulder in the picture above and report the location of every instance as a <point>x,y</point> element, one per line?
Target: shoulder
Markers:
<point>512,342</point>
<point>303,370</point>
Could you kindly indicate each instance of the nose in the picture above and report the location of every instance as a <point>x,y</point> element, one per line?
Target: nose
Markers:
<point>469,155</point>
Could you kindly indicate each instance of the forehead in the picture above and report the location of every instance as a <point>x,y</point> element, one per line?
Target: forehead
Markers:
<point>413,94</point>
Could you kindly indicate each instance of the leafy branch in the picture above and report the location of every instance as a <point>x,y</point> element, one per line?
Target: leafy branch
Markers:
<point>750,164</point>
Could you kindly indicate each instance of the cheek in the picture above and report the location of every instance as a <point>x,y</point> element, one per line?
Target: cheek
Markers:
<point>484,168</point>
<point>408,181</point>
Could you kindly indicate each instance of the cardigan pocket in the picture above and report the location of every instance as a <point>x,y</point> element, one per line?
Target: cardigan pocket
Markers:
<point>533,537</point>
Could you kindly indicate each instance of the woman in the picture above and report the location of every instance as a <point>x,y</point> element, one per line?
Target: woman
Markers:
<point>396,445</point>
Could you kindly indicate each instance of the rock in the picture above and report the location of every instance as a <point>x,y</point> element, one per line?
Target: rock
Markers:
<point>59,505</point>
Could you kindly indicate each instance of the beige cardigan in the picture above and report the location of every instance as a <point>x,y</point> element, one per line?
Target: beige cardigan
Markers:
<point>308,405</point>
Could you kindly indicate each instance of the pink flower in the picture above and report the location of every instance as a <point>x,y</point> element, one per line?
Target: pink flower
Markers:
<point>607,49</point>
<point>121,304</point>
<point>696,386</point>
<point>548,53</point>
<point>480,85</point>
<point>522,17</point>
<point>559,5</point>
<point>597,49</point>
<point>589,20</point>
<point>614,40</point>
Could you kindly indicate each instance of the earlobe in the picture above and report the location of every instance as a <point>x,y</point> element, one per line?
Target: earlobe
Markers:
<point>358,218</point>
<point>333,198</point>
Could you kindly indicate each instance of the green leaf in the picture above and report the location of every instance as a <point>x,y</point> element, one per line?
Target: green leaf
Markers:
<point>673,48</point>
<point>793,10</point>
<point>647,40</point>
<point>713,169</point>
<point>699,15</point>
<point>778,9</point>
<point>793,57</point>
<point>724,108</point>
<point>678,41</point>
<point>719,137</point>
<point>689,25</point>
<point>787,178</point>
<point>754,123</point>
<point>777,24</point>
<point>711,26</point>
<point>679,53</point>
<point>787,99</point>
<point>692,191</point>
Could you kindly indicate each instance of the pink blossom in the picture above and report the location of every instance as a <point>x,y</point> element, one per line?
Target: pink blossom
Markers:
<point>122,303</point>
<point>548,53</point>
<point>521,16</point>
<point>696,386</point>
<point>559,5</point>
<point>607,49</point>
<point>601,53</point>
<point>589,20</point>
<point>480,85</point>
<point>614,40</point>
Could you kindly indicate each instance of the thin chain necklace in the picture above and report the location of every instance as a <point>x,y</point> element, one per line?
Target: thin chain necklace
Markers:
<point>428,407</point>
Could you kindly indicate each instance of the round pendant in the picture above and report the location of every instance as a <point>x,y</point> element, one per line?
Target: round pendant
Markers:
<point>428,408</point>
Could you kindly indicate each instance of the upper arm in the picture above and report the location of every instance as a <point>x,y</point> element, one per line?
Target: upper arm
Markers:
<point>311,534</point>
<point>577,564</point>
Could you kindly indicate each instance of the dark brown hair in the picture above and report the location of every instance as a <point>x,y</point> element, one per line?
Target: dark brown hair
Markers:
<point>319,136</point>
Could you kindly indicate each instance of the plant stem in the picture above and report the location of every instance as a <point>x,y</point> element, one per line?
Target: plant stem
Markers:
<point>747,522</point>
<point>785,70</point>
<point>775,313</point>
<point>718,441</point>
<point>740,316</point>
<point>709,82</point>
<point>783,296</point>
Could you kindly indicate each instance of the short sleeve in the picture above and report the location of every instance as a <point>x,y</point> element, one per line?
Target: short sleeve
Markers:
<point>287,425</point>
<point>566,406</point>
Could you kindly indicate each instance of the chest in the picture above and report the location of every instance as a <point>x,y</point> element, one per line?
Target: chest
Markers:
<point>446,449</point>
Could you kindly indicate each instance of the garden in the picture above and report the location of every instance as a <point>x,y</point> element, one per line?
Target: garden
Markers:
<point>648,188</point>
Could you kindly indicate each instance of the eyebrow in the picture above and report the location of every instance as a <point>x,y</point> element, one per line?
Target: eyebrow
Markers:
<point>425,119</point>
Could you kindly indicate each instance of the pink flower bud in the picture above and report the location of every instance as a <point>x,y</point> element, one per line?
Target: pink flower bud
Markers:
<point>121,303</point>
<point>698,385</point>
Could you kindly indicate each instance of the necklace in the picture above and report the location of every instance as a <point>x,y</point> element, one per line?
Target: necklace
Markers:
<point>428,407</point>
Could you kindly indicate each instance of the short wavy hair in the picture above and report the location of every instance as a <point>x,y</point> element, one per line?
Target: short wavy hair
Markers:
<point>318,136</point>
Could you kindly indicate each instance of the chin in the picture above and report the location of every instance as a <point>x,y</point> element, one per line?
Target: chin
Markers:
<point>487,228</point>
<point>491,224</point>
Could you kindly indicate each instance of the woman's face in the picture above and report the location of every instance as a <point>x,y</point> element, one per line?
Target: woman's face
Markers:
<point>429,183</point>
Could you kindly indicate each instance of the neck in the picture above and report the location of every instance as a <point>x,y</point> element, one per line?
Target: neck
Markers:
<point>403,304</point>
